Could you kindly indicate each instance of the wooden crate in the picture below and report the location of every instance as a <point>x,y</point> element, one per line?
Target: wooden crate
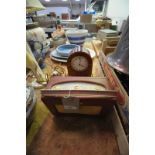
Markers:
<point>85,18</point>
<point>109,44</point>
<point>88,103</point>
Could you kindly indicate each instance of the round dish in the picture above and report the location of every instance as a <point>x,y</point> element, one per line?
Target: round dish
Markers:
<point>64,50</point>
<point>57,55</point>
<point>77,36</point>
<point>59,60</point>
<point>75,33</point>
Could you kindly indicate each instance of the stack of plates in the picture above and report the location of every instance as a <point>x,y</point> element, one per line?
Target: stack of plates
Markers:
<point>62,52</point>
<point>57,57</point>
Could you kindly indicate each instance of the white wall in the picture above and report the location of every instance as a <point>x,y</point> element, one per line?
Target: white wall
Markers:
<point>118,10</point>
<point>77,10</point>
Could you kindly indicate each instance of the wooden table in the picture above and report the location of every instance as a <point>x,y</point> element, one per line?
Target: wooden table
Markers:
<point>77,136</point>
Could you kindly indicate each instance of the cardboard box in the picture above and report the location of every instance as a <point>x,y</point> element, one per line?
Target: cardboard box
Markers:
<point>85,18</point>
<point>91,27</point>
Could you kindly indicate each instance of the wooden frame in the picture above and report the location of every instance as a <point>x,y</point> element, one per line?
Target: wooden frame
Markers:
<point>103,99</point>
<point>122,141</point>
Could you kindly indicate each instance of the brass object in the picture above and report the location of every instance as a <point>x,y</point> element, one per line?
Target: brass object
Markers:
<point>58,71</point>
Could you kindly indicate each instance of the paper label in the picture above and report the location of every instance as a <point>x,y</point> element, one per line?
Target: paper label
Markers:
<point>71,104</point>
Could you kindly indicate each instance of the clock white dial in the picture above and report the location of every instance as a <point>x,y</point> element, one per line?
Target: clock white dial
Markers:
<point>79,63</point>
<point>78,86</point>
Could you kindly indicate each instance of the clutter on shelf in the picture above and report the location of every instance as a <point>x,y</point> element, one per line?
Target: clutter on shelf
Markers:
<point>58,36</point>
<point>30,105</point>
<point>32,64</point>
<point>103,22</point>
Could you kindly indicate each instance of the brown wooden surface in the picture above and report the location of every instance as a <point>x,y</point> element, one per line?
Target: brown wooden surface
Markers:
<point>75,135</point>
<point>121,137</point>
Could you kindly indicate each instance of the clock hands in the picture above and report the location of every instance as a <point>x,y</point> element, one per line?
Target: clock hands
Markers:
<point>80,62</point>
<point>81,65</point>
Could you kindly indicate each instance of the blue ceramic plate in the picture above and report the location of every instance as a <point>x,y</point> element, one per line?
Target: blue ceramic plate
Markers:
<point>64,50</point>
<point>59,60</point>
<point>54,55</point>
<point>57,55</point>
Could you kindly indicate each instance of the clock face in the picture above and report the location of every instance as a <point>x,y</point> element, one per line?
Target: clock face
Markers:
<point>79,63</point>
<point>78,86</point>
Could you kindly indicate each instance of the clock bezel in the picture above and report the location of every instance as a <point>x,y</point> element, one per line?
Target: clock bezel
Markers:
<point>87,71</point>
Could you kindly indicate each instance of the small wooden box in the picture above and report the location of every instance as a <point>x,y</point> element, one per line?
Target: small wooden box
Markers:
<point>70,101</point>
<point>86,18</point>
<point>109,44</point>
<point>91,27</point>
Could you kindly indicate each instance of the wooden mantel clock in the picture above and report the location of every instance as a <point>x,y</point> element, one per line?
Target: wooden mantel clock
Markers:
<point>79,63</point>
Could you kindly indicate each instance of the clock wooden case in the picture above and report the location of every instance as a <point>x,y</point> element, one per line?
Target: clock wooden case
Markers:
<point>79,63</point>
<point>70,96</point>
